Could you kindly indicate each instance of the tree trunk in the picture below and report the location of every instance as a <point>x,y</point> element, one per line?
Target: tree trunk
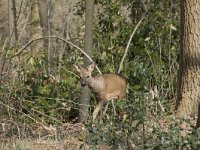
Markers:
<point>44,11</point>
<point>36,30</point>
<point>14,12</point>
<point>85,92</point>
<point>188,90</point>
<point>12,23</point>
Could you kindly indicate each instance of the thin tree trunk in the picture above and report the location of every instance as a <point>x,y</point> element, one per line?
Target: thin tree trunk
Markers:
<point>45,18</point>
<point>36,30</point>
<point>188,90</point>
<point>18,102</point>
<point>14,12</point>
<point>50,52</point>
<point>85,92</point>
<point>12,17</point>
<point>43,11</point>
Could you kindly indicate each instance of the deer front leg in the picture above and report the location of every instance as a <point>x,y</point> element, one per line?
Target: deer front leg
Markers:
<point>97,109</point>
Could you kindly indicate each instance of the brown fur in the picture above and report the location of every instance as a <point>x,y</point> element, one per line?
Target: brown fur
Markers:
<point>105,87</point>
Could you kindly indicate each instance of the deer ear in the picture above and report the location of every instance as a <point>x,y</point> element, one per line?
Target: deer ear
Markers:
<point>77,68</point>
<point>91,67</point>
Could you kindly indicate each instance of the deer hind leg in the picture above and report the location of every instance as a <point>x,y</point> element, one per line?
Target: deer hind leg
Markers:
<point>97,109</point>
<point>113,107</point>
<point>104,112</point>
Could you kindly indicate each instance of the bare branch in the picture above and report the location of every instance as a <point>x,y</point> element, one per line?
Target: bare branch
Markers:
<point>3,59</point>
<point>54,37</point>
<point>129,42</point>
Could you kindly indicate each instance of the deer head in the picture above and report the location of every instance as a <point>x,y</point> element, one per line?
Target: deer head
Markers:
<point>85,74</point>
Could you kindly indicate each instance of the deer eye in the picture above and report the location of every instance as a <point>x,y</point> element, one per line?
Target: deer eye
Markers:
<point>88,76</point>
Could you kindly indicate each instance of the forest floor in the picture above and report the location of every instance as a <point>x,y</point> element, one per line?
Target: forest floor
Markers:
<point>71,144</point>
<point>68,137</point>
<point>78,136</point>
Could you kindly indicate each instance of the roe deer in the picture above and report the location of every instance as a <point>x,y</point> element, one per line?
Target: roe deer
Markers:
<point>105,87</point>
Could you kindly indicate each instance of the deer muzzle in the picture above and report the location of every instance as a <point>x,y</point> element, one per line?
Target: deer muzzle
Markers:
<point>83,82</point>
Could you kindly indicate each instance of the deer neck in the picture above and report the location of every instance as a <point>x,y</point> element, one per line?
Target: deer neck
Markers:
<point>95,84</point>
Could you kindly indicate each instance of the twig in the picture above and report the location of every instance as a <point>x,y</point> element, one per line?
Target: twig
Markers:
<point>161,106</point>
<point>49,98</point>
<point>129,42</point>
<point>64,35</point>
<point>20,9</point>
<point>71,72</point>
<point>3,58</point>
<point>37,39</point>
<point>144,5</point>
<point>39,112</point>
<point>23,27</point>
<point>5,105</point>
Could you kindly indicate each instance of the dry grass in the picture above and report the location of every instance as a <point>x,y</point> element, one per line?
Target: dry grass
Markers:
<point>66,137</point>
<point>32,145</point>
<point>67,144</point>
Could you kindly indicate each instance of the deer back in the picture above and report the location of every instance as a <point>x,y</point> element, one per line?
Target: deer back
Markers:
<point>108,86</point>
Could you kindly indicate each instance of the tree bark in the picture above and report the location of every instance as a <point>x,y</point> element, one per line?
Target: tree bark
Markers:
<point>12,16</point>
<point>36,30</point>
<point>44,11</point>
<point>188,89</point>
<point>14,12</point>
<point>85,92</point>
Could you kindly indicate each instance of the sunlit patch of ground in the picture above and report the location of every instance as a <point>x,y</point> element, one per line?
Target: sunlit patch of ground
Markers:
<point>66,137</point>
